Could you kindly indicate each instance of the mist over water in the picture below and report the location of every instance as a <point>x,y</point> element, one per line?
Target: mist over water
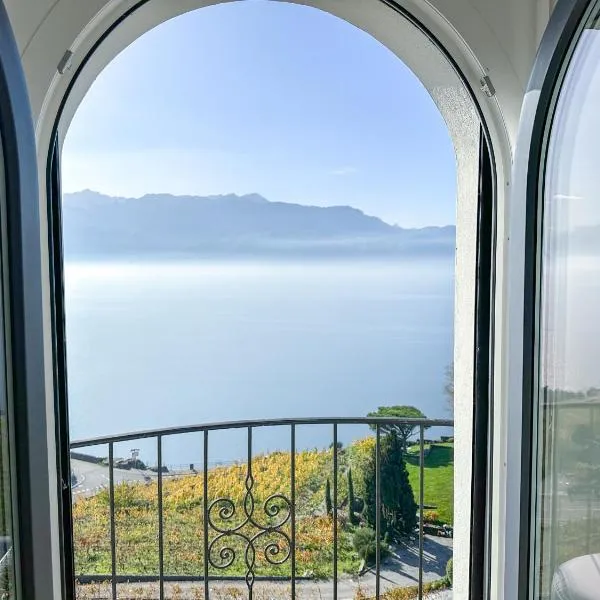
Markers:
<point>159,344</point>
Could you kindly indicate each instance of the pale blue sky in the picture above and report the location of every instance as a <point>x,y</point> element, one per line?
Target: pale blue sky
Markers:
<point>265,97</point>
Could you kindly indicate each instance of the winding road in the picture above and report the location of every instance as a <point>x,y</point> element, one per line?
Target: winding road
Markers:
<point>92,477</point>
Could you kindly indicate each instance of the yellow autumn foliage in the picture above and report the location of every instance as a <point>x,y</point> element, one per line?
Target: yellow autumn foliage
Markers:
<point>136,520</point>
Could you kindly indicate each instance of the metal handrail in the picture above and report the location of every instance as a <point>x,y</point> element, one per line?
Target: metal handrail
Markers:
<point>255,423</point>
<point>285,512</point>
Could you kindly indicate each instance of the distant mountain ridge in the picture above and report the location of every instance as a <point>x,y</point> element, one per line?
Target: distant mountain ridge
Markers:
<point>234,226</point>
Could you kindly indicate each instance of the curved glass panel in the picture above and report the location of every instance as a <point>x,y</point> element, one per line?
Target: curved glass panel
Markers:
<point>7,576</point>
<point>567,548</point>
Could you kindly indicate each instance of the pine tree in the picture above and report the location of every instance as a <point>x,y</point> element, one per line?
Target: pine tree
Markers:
<point>351,500</point>
<point>398,506</point>
<point>404,430</point>
<point>328,502</point>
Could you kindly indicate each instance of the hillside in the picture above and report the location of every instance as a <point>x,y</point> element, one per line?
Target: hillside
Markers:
<point>234,226</point>
<point>136,506</point>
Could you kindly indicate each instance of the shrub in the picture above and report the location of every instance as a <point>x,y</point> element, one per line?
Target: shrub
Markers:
<point>364,543</point>
<point>431,516</point>
<point>449,572</point>
<point>406,593</point>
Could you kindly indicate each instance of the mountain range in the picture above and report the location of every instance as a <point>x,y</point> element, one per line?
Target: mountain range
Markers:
<point>234,226</point>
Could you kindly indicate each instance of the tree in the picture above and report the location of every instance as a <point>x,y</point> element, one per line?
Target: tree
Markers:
<point>449,388</point>
<point>328,502</point>
<point>351,500</point>
<point>404,431</point>
<point>398,506</point>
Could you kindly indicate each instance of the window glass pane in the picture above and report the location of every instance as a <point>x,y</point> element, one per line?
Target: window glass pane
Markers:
<point>567,548</point>
<point>6,552</point>
<point>6,571</point>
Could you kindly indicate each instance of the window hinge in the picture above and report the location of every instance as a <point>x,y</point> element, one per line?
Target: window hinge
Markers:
<point>487,87</point>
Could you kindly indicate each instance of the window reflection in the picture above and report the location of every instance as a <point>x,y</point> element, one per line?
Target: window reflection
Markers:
<point>6,572</point>
<point>568,470</point>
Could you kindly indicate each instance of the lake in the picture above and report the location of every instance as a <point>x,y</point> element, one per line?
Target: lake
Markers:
<point>158,344</point>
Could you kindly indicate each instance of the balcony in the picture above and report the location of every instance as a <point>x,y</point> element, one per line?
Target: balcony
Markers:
<point>341,508</point>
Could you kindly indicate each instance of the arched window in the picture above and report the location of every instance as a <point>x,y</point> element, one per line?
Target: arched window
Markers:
<point>261,214</point>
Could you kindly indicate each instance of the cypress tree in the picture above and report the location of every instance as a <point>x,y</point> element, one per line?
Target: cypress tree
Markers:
<point>398,506</point>
<point>351,500</point>
<point>328,502</point>
<point>397,498</point>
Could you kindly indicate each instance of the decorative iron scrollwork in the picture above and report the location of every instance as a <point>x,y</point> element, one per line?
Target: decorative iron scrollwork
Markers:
<point>268,538</point>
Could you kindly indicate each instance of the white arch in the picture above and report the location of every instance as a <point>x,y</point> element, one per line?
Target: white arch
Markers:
<point>75,26</point>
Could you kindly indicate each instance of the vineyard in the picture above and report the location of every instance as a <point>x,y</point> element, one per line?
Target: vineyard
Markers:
<point>137,528</point>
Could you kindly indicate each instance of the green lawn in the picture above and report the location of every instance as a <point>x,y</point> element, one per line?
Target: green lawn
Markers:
<point>439,479</point>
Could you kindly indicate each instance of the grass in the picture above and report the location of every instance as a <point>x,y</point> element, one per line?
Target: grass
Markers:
<point>438,477</point>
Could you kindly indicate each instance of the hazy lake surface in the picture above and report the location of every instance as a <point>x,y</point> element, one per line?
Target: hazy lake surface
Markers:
<point>163,344</point>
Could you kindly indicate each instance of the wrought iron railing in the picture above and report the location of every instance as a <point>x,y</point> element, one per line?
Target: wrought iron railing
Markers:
<point>241,531</point>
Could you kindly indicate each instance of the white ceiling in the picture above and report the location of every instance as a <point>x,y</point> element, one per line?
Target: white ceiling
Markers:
<point>502,35</point>
<point>26,16</point>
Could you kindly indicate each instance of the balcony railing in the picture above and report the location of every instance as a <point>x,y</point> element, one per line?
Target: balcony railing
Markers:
<point>255,519</point>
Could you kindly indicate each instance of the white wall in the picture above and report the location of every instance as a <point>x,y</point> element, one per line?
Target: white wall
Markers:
<point>493,37</point>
